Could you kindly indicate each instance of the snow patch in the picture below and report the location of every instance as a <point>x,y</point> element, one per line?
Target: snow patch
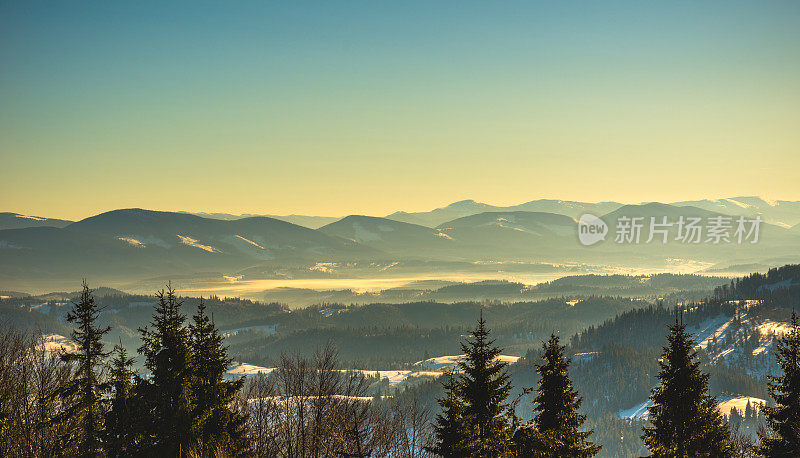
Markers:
<point>9,245</point>
<point>774,328</point>
<point>132,242</point>
<point>726,404</point>
<point>709,330</point>
<point>186,240</point>
<point>326,267</point>
<point>35,218</point>
<point>55,342</point>
<point>268,329</point>
<point>637,412</point>
<point>584,357</point>
<point>396,377</point>
<point>448,362</point>
<point>739,204</point>
<point>249,241</point>
<point>237,370</point>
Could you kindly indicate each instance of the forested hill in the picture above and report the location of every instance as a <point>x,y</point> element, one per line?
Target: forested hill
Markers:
<point>779,286</point>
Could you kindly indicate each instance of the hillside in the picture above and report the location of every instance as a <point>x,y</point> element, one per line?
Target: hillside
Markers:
<point>397,238</point>
<point>139,242</point>
<point>17,221</point>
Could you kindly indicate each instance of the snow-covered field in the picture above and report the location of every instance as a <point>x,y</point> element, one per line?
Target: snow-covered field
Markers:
<point>724,404</point>
<point>637,412</point>
<point>55,342</point>
<point>398,377</point>
<point>774,328</point>
<point>243,369</point>
<point>443,363</point>
<point>394,377</point>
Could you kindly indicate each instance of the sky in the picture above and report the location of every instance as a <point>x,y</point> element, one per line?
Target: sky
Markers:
<point>332,108</point>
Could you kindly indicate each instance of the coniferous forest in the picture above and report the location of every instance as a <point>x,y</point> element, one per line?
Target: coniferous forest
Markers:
<point>90,400</point>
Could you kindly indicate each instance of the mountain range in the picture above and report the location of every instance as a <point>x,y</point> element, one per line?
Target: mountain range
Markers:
<point>17,221</point>
<point>780,212</point>
<point>141,243</point>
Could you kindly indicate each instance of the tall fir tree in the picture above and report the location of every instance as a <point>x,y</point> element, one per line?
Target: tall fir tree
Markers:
<point>166,348</point>
<point>484,387</point>
<point>83,393</point>
<point>556,427</point>
<point>684,418</point>
<point>122,431</point>
<point>449,427</point>
<point>784,418</point>
<point>219,424</point>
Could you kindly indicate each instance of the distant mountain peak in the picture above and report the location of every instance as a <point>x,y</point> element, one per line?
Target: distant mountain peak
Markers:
<point>9,220</point>
<point>466,203</point>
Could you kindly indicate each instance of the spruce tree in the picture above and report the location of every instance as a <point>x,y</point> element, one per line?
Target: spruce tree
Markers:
<point>83,393</point>
<point>219,425</point>
<point>121,426</point>
<point>484,386</point>
<point>450,427</point>
<point>555,429</point>
<point>684,418</point>
<point>784,418</point>
<point>167,392</point>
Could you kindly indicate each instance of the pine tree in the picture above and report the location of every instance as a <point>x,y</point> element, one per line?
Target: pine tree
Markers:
<point>449,427</point>
<point>784,418</point>
<point>85,389</point>
<point>165,346</point>
<point>121,427</point>
<point>218,423</point>
<point>555,429</point>
<point>484,386</point>
<point>684,417</point>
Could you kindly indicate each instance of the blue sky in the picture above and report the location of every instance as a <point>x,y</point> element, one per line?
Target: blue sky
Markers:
<point>369,107</point>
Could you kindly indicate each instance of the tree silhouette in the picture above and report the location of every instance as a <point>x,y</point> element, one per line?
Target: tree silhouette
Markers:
<point>218,424</point>
<point>784,418</point>
<point>165,346</point>
<point>555,429</point>
<point>82,393</point>
<point>684,417</point>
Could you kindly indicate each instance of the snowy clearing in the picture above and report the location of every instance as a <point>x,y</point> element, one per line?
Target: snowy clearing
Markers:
<point>442,363</point>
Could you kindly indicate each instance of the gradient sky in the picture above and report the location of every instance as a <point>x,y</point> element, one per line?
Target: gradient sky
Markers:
<point>369,107</point>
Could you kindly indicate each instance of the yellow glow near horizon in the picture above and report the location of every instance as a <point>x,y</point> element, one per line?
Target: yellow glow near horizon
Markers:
<point>309,116</point>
